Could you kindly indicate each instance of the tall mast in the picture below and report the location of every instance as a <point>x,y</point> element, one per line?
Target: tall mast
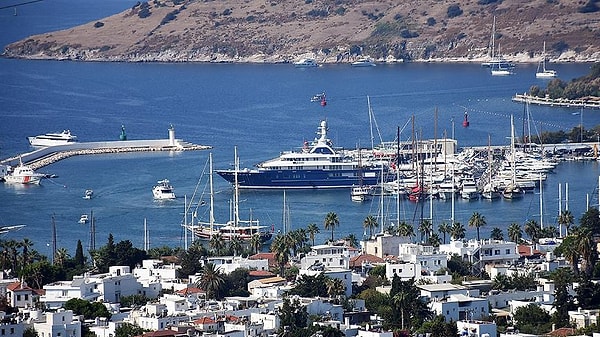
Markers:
<point>236,214</point>
<point>211,214</point>
<point>53,240</point>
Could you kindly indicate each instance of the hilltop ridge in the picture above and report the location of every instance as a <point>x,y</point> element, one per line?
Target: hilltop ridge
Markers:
<point>327,30</point>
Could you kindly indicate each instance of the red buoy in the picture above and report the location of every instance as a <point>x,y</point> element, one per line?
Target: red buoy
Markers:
<point>466,120</point>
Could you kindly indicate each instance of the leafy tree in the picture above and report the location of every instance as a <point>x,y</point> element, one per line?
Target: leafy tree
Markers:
<point>128,330</point>
<point>30,332</point>
<point>311,286</point>
<point>236,283</point>
<point>293,317</point>
<point>190,259</point>
<point>129,301</point>
<point>90,310</point>
<point>438,327</point>
<point>408,308</point>
<point>532,319</point>
<point>444,228</point>
<point>373,299</point>
<point>591,220</point>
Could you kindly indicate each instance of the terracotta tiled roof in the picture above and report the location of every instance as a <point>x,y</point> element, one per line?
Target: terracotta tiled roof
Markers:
<point>357,261</point>
<point>190,290</point>
<point>525,250</point>
<point>204,320</point>
<point>16,286</point>
<point>563,332</point>
<point>265,256</point>
<point>274,279</point>
<point>161,333</point>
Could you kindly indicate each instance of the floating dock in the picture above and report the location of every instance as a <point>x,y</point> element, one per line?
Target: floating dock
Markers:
<point>561,102</point>
<point>51,154</point>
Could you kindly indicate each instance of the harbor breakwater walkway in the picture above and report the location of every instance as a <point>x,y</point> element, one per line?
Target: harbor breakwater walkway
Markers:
<point>48,155</point>
<point>591,103</point>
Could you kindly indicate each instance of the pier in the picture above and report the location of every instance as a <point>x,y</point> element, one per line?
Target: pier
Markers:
<point>592,102</point>
<point>48,155</point>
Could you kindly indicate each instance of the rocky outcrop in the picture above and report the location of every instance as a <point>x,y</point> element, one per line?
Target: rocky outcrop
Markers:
<point>328,30</point>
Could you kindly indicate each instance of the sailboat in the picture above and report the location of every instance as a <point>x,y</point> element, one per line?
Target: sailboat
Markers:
<point>489,191</point>
<point>361,192</point>
<point>499,65</point>
<point>512,190</point>
<point>243,230</point>
<point>543,72</point>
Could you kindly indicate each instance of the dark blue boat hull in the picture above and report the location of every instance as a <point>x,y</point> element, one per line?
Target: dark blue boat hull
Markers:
<point>301,179</point>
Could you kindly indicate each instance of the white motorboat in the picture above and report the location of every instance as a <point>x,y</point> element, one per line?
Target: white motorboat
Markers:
<point>500,70</point>
<point>23,174</point>
<point>360,193</point>
<point>84,219</point>
<point>469,189</point>
<point>363,62</point>
<point>53,139</point>
<point>163,190</point>
<point>88,194</point>
<point>306,63</point>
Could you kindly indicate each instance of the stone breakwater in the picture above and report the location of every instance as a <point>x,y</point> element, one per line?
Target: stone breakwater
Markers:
<point>45,161</point>
<point>49,155</point>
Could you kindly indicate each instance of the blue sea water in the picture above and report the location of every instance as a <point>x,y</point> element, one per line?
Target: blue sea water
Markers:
<point>261,109</point>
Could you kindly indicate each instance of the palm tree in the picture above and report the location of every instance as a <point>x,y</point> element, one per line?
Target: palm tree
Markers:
<point>351,240</point>
<point>335,287</point>
<point>444,228</point>
<point>565,219</point>
<point>457,231</point>
<point>235,245</point>
<point>570,251</point>
<point>312,230</point>
<point>425,228</point>
<point>281,247</point>
<point>532,229</point>
<point>405,229</point>
<point>587,249</point>
<point>331,222</point>
<point>515,233</point>
<point>477,220</point>
<point>370,223</point>
<point>255,242</point>
<point>62,255</point>
<point>435,240</point>
<point>496,234</point>
<point>217,243</point>
<point>26,244</point>
<point>211,280</point>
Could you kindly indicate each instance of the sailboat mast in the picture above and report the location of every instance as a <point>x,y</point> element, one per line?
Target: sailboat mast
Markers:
<point>398,177</point>
<point>211,219</point>
<point>53,240</point>
<point>236,213</point>
<point>370,122</point>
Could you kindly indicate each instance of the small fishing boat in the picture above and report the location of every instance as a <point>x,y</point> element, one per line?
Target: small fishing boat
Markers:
<point>88,194</point>
<point>84,219</point>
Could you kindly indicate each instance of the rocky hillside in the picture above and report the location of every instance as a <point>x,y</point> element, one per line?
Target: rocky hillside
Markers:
<point>329,30</point>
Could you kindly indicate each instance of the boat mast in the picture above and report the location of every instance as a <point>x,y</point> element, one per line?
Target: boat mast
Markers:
<point>211,216</point>
<point>53,239</point>
<point>398,177</point>
<point>235,189</point>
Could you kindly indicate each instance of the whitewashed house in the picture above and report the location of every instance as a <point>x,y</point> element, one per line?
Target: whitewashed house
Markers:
<point>61,323</point>
<point>20,295</point>
<point>382,245</point>
<point>483,252</point>
<point>477,328</point>
<point>10,327</point>
<point>228,264</point>
<point>58,293</point>
<point>460,307</point>
<point>119,281</point>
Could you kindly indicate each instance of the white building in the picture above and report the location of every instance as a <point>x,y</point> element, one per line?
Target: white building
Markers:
<point>584,318</point>
<point>477,328</point>
<point>228,264</point>
<point>460,307</point>
<point>10,327</point>
<point>323,257</point>
<point>483,252</point>
<point>119,281</point>
<point>61,323</point>
<point>382,245</point>
<point>58,293</point>
<point>428,257</point>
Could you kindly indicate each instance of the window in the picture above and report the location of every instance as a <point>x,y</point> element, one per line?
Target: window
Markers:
<point>507,252</point>
<point>18,297</point>
<point>497,252</point>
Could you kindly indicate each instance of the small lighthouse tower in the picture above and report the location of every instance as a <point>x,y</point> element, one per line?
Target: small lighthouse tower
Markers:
<point>171,135</point>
